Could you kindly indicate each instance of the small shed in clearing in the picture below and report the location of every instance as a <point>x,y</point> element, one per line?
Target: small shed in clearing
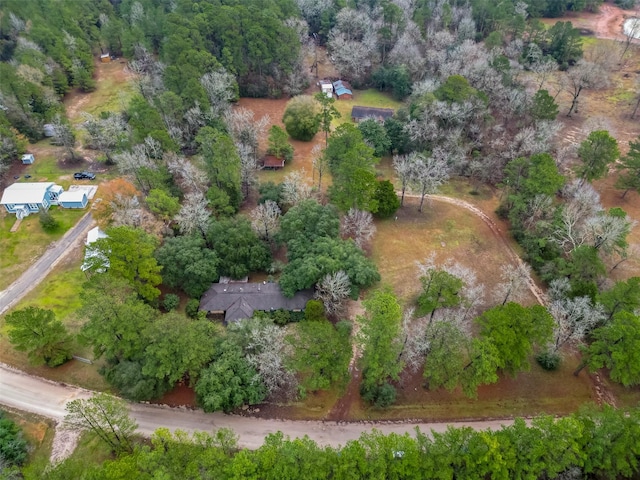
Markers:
<point>75,199</point>
<point>359,114</point>
<point>105,58</point>
<point>273,162</point>
<point>28,159</point>
<point>343,90</point>
<point>326,87</point>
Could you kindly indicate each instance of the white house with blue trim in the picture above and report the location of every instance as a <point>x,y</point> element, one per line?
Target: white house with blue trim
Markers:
<point>29,197</point>
<point>73,199</point>
<point>28,159</point>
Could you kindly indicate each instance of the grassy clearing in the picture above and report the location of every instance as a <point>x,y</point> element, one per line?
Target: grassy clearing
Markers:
<point>316,406</point>
<point>441,229</point>
<point>529,394</point>
<point>113,92</point>
<point>365,98</point>
<point>20,249</point>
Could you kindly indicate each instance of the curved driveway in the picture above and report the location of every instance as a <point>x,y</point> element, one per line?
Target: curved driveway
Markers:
<point>43,397</point>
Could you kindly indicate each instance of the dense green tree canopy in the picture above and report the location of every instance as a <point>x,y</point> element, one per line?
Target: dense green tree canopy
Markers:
<point>309,220</point>
<point>310,262</point>
<point>229,382</point>
<point>322,353</point>
<point>238,248</point>
<point>188,264</point>
<point>615,346</point>
<point>378,338</point>
<point>38,332</point>
<point>596,153</point>
<point>514,330</point>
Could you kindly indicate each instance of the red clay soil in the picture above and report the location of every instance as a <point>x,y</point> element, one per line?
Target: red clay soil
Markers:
<point>181,396</point>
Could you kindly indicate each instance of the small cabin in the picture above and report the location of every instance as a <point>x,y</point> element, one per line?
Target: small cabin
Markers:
<point>28,159</point>
<point>273,162</point>
<point>105,58</point>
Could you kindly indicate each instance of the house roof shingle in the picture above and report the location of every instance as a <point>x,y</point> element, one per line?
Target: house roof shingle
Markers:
<point>366,112</point>
<point>240,300</point>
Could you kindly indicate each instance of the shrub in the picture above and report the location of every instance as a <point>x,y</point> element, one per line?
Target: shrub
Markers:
<point>314,311</point>
<point>48,223</point>
<point>171,302</point>
<point>548,360</point>
<point>192,308</point>
<point>379,395</point>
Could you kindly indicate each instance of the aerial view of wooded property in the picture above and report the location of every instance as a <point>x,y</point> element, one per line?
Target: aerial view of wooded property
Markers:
<point>311,239</point>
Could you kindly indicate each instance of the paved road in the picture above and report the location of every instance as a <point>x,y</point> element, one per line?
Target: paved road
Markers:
<point>44,397</point>
<point>39,270</point>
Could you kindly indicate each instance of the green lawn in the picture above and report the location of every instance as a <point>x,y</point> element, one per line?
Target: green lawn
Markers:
<point>364,98</point>
<point>20,249</point>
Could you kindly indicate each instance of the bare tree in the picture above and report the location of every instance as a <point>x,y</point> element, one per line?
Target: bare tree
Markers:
<point>194,216</point>
<point>147,73</point>
<point>320,163</point>
<point>63,135</point>
<point>513,282</point>
<point>333,290</point>
<point>404,165</point>
<point>415,344</point>
<point>358,225</point>
<point>584,75</point>
<point>265,219</point>
<point>429,173</point>
<point>186,175</point>
<point>574,317</point>
<point>267,351</point>
<point>294,188</point>
<point>105,134</point>
<point>126,211</point>
<point>245,129</point>
<point>133,161</point>
<point>221,88</point>
<point>248,167</point>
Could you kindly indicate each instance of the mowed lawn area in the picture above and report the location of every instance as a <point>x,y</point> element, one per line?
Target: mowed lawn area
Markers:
<point>21,248</point>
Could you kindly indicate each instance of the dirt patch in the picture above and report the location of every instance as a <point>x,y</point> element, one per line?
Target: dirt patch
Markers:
<point>606,23</point>
<point>65,442</point>
<point>181,396</point>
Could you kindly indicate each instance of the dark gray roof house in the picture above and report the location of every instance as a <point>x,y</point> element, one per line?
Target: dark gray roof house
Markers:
<point>361,113</point>
<point>239,300</point>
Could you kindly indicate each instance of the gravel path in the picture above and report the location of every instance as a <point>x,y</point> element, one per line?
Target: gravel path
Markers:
<point>43,397</point>
<point>37,272</point>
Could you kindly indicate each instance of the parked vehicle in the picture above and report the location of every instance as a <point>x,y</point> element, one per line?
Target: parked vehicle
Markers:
<point>84,176</point>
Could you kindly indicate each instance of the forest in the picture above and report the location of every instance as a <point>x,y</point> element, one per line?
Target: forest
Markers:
<point>184,202</point>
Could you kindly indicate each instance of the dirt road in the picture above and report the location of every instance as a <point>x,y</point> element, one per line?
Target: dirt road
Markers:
<point>39,270</point>
<point>515,258</point>
<point>43,397</point>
